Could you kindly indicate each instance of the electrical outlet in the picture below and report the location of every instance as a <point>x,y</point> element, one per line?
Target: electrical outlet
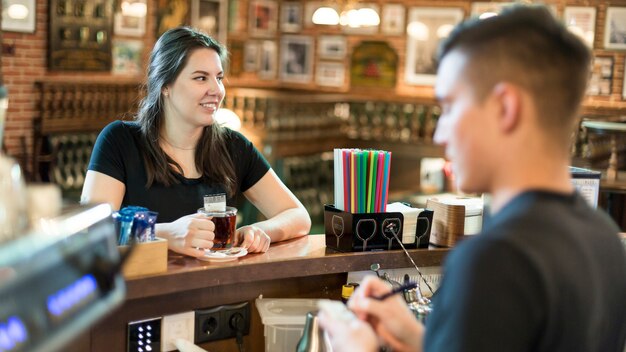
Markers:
<point>176,326</point>
<point>222,322</point>
<point>144,336</point>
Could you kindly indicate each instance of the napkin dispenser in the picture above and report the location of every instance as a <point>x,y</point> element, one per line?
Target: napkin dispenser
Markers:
<point>360,232</point>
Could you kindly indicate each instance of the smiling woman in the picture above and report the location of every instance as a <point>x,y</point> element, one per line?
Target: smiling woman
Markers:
<point>175,153</point>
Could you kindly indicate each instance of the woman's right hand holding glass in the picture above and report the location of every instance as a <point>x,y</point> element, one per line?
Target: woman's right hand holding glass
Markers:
<point>189,235</point>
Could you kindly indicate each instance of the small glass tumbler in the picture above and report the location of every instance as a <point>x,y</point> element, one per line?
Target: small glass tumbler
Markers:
<point>225,222</point>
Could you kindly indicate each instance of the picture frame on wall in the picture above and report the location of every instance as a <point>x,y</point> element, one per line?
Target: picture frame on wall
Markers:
<point>24,23</point>
<point>581,20</point>
<point>615,28</point>
<point>296,58</point>
<point>601,80</point>
<point>127,55</point>
<point>373,64</point>
<point>234,65</point>
<point>309,10</point>
<point>330,74</point>
<point>291,16</point>
<point>79,35</point>
<point>393,19</point>
<point>130,18</point>
<point>332,47</point>
<point>208,15</point>
<point>171,14</point>
<point>268,60</point>
<point>426,28</point>
<point>251,54</point>
<point>263,18</point>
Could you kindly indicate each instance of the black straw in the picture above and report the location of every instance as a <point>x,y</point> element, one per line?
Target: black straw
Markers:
<point>406,286</point>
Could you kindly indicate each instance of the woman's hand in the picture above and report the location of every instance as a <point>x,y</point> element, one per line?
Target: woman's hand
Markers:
<point>190,235</point>
<point>253,238</point>
<point>391,319</point>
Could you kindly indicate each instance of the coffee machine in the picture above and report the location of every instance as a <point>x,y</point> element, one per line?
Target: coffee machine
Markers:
<point>59,274</point>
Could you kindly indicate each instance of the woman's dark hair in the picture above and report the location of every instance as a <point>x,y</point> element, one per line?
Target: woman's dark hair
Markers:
<point>169,56</point>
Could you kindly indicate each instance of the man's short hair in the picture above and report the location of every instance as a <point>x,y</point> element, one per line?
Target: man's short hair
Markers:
<point>526,46</point>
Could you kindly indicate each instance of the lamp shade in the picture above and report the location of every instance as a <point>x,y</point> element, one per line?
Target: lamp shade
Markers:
<point>325,16</point>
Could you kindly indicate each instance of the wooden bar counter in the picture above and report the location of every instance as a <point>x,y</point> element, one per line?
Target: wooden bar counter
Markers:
<point>299,268</point>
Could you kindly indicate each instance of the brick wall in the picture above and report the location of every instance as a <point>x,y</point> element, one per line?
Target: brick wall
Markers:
<point>24,62</point>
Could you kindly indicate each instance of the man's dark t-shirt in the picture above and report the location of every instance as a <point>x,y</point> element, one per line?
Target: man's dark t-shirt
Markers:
<point>548,273</point>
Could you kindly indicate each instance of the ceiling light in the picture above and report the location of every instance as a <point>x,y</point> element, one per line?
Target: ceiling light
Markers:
<point>134,9</point>
<point>325,16</point>
<point>352,16</point>
<point>17,11</point>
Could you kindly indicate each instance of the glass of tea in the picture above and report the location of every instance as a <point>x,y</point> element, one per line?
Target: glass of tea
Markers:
<point>225,222</point>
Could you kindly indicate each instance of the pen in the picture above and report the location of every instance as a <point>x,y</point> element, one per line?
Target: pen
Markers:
<point>406,286</point>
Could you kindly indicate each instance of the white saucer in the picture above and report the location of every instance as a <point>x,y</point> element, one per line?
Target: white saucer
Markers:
<point>223,256</point>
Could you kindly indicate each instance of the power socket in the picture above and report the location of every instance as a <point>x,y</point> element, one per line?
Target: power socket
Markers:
<point>176,326</point>
<point>221,322</point>
<point>144,336</point>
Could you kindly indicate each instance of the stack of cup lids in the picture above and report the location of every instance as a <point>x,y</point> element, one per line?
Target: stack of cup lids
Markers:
<point>455,217</point>
<point>473,212</point>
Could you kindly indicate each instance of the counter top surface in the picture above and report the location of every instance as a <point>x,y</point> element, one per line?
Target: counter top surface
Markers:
<point>300,257</point>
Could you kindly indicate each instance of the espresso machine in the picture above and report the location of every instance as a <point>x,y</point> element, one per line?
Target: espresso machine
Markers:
<point>59,273</point>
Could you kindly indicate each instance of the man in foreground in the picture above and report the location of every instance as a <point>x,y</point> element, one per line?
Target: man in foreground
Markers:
<point>548,273</point>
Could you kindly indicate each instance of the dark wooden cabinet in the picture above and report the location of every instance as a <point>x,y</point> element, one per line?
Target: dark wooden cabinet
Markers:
<point>80,34</point>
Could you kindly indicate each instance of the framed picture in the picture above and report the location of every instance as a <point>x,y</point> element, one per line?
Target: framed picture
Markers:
<point>127,57</point>
<point>330,74</point>
<point>171,14</point>
<point>296,58</point>
<point>615,28</point>
<point>581,21</point>
<point>79,35</point>
<point>24,22</point>
<point>251,54</point>
<point>426,28</point>
<point>309,10</point>
<point>331,47</point>
<point>601,76</point>
<point>235,62</point>
<point>267,69</point>
<point>263,18</point>
<point>374,64</point>
<point>206,15</point>
<point>291,16</point>
<point>130,19</point>
<point>235,24</point>
<point>393,19</point>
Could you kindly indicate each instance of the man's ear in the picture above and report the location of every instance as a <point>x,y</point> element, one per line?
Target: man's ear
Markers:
<point>509,100</point>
